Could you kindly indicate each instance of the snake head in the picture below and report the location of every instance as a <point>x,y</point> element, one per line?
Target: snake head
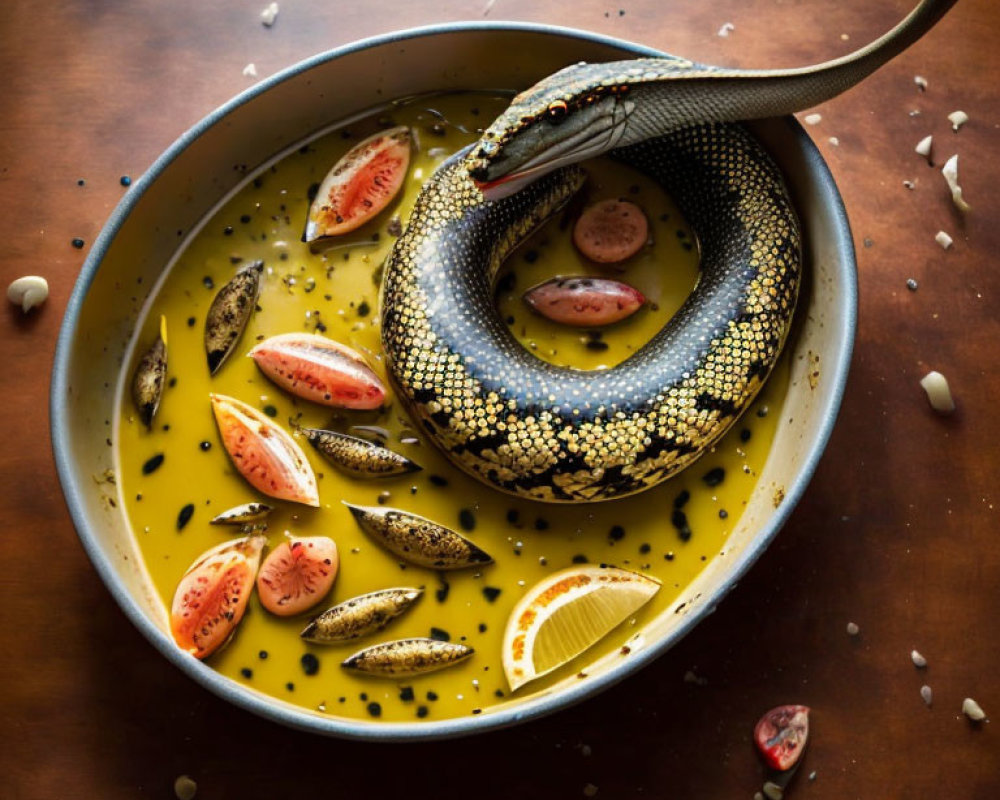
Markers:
<point>576,113</point>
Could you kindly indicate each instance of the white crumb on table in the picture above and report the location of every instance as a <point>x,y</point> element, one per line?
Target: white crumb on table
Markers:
<point>725,29</point>
<point>269,15</point>
<point>957,119</point>
<point>250,70</point>
<point>973,710</point>
<point>853,629</point>
<point>918,660</point>
<point>943,239</point>
<point>813,119</point>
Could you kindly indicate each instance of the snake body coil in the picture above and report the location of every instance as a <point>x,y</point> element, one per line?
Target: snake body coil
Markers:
<point>556,434</point>
<point>562,435</point>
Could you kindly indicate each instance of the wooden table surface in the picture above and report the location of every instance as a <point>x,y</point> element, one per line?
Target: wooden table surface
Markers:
<point>898,531</point>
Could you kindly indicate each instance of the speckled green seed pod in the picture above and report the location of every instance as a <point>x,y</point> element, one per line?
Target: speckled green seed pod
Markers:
<point>360,616</point>
<point>150,376</point>
<point>241,515</point>
<point>406,657</point>
<point>229,313</point>
<point>418,540</point>
<point>358,457</point>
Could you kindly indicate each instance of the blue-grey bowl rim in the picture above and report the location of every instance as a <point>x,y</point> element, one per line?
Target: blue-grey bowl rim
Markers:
<point>303,720</point>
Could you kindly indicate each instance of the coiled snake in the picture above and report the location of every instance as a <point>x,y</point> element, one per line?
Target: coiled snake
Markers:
<point>562,435</point>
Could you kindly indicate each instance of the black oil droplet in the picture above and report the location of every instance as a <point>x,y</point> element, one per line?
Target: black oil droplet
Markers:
<point>310,664</point>
<point>271,411</point>
<point>375,709</point>
<point>723,514</point>
<point>440,635</point>
<point>246,672</point>
<point>680,521</point>
<point>437,480</point>
<point>406,694</point>
<point>422,711</point>
<point>617,533</point>
<point>191,322</point>
<point>432,696</point>
<point>579,558</point>
<point>184,517</point>
<point>745,435</point>
<point>205,446</point>
<point>467,519</point>
<point>714,476</point>
<point>207,282</point>
<point>541,524</point>
<point>645,547</point>
<point>442,592</point>
<point>681,500</point>
<point>152,464</point>
<point>364,309</point>
<point>78,243</point>
<point>491,593</point>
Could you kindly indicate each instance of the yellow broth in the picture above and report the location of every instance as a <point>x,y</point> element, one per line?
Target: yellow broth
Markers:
<point>336,293</point>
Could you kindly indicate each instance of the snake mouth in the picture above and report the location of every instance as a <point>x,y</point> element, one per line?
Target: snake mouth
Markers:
<point>602,135</point>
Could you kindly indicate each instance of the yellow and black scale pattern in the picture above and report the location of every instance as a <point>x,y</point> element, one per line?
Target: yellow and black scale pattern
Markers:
<point>562,435</point>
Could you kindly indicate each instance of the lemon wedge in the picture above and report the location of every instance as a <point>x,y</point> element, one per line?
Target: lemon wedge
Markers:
<point>565,614</point>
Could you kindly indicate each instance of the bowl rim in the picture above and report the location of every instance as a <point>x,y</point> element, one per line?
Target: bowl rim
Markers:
<point>301,719</point>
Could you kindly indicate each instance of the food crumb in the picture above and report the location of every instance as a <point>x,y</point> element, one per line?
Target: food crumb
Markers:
<point>921,82</point>
<point>772,791</point>
<point>923,147</point>
<point>938,392</point>
<point>250,70</point>
<point>853,629</point>
<point>943,239</point>
<point>918,660</point>
<point>812,119</point>
<point>726,28</point>
<point>269,15</point>
<point>590,790</point>
<point>973,710</point>
<point>911,284</point>
<point>812,775</point>
<point>758,796</point>
<point>950,173</point>
<point>185,788</point>
<point>957,119</point>
<point>834,141</point>
<point>926,694</point>
<point>28,292</point>
<point>585,750</point>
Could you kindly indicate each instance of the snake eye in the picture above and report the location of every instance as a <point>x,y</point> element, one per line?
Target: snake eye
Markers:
<point>557,111</point>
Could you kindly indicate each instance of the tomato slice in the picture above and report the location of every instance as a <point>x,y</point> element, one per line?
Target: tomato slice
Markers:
<point>360,185</point>
<point>297,574</point>
<point>781,735</point>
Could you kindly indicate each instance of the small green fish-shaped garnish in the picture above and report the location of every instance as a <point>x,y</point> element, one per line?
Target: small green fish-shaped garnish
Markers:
<point>360,616</point>
<point>358,457</point>
<point>405,657</point>
<point>150,376</point>
<point>418,540</point>
<point>229,313</point>
<point>241,515</point>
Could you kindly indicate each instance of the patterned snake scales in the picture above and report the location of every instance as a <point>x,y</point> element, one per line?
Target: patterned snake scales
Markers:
<point>561,435</point>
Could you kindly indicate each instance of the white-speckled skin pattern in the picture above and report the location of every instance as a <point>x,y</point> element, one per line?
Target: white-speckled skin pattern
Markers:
<point>562,435</point>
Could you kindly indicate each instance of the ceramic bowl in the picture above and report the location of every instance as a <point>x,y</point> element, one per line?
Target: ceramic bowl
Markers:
<point>191,177</point>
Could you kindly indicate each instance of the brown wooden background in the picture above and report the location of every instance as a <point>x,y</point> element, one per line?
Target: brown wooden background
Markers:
<point>897,532</point>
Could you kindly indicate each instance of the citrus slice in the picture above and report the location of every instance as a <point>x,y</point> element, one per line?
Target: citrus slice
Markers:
<point>567,613</point>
